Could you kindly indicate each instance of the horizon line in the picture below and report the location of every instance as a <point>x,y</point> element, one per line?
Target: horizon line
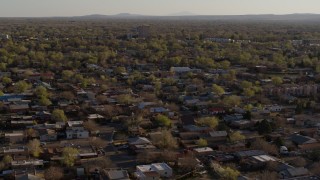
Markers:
<point>168,15</point>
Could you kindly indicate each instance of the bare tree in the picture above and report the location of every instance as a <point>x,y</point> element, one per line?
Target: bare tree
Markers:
<point>53,173</point>
<point>265,146</point>
<point>91,125</point>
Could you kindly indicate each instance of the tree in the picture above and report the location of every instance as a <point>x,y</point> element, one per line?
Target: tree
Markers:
<point>202,142</point>
<point>163,120</point>
<point>277,80</point>
<point>265,146</point>
<point>264,127</point>
<point>58,115</point>
<point>6,80</point>
<point>232,100</point>
<point>164,140</point>
<point>246,85</point>
<point>236,136</point>
<point>101,163</point>
<point>44,101</point>
<point>67,74</point>
<point>31,133</point>
<point>248,92</point>
<point>208,121</point>
<point>41,91</point>
<point>68,95</point>
<point>98,142</point>
<point>217,89</point>
<point>22,86</point>
<point>125,99</point>
<point>34,147</point>
<point>91,125</point>
<point>53,173</point>
<point>69,155</point>
<point>7,159</point>
<point>227,173</point>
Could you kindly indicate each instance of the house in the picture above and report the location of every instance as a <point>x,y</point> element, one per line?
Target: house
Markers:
<point>75,130</point>
<point>47,135</point>
<point>203,151</point>
<point>242,124</point>
<point>180,70</point>
<point>14,137</point>
<point>234,117</point>
<point>77,133</point>
<point>153,171</point>
<point>18,107</point>
<point>158,110</point>
<point>27,163</point>
<point>27,176</point>
<point>216,111</point>
<point>256,162</point>
<point>232,147</point>
<point>294,173</point>
<point>249,153</point>
<point>299,139</point>
<point>139,141</point>
<point>116,174</point>
<point>216,137</point>
<point>15,152</point>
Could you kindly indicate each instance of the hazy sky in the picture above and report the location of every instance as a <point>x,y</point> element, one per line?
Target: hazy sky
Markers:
<point>35,8</point>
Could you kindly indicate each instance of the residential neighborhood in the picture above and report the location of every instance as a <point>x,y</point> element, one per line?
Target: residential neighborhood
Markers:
<point>117,99</point>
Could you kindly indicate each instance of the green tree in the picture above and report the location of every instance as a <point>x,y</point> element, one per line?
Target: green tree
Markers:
<point>202,142</point>
<point>226,173</point>
<point>58,115</point>
<point>277,80</point>
<point>67,74</point>
<point>6,80</point>
<point>22,86</point>
<point>7,159</point>
<point>164,140</point>
<point>69,156</point>
<point>41,91</point>
<point>248,92</point>
<point>163,120</point>
<point>236,136</point>
<point>44,101</point>
<point>3,66</point>
<point>232,100</point>
<point>125,99</point>
<point>208,121</point>
<point>246,84</point>
<point>217,89</point>
<point>34,147</point>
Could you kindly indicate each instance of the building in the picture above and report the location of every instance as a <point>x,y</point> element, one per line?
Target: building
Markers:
<point>116,174</point>
<point>14,137</point>
<point>153,171</point>
<point>77,133</point>
<point>47,135</point>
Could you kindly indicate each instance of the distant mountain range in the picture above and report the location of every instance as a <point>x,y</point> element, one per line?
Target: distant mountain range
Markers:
<point>314,18</point>
<point>191,16</point>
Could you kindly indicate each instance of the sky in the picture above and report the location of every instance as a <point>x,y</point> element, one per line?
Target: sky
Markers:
<point>48,8</point>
